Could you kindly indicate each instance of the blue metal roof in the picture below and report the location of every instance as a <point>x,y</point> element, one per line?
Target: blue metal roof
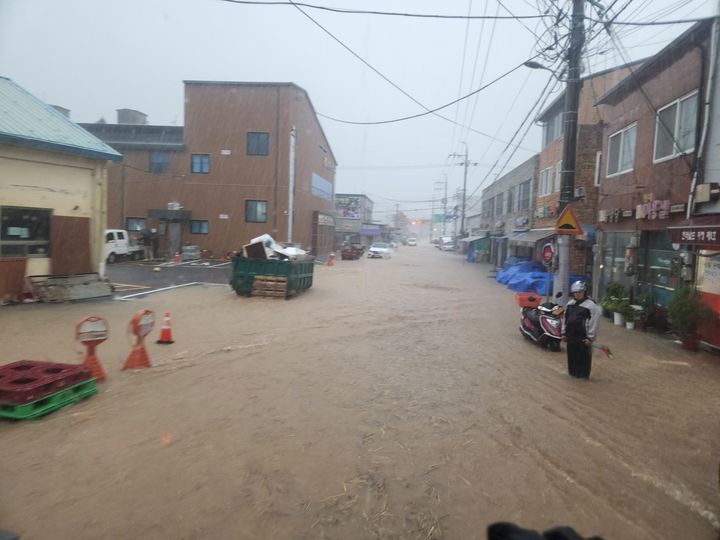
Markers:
<point>27,121</point>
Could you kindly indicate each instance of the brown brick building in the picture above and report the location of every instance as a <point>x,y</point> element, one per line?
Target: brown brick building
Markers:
<point>590,127</point>
<point>247,152</point>
<point>653,119</point>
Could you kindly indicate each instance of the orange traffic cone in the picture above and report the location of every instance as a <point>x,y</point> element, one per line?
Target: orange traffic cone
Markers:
<point>166,331</point>
<point>331,258</point>
<point>177,257</point>
<point>93,363</point>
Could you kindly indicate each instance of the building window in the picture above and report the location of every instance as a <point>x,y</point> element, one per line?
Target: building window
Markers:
<point>558,176</point>
<point>598,158</point>
<point>553,128</point>
<point>675,128</point>
<point>199,226</point>
<point>510,200</point>
<point>135,224</point>
<point>200,163</point>
<point>159,161</point>
<point>621,151</point>
<point>546,181</point>
<point>24,232</point>
<point>255,211</point>
<point>499,205</point>
<point>258,143</point>
<point>524,196</point>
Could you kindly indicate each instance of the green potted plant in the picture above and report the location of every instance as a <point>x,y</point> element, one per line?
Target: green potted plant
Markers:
<point>686,312</point>
<point>628,313</point>
<point>614,293</point>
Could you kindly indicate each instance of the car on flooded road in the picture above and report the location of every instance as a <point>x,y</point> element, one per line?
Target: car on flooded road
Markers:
<point>379,250</point>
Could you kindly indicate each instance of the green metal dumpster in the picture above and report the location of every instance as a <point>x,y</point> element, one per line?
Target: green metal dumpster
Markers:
<point>270,277</point>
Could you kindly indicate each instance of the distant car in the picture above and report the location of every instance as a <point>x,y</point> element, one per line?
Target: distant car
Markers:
<point>446,244</point>
<point>379,250</point>
<point>412,242</point>
<point>394,244</point>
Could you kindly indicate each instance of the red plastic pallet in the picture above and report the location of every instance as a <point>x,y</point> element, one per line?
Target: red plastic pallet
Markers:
<point>28,380</point>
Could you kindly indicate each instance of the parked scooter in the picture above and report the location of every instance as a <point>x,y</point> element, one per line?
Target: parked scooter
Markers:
<point>543,324</point>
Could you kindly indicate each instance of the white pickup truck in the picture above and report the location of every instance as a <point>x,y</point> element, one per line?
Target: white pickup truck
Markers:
<point>119,244</point>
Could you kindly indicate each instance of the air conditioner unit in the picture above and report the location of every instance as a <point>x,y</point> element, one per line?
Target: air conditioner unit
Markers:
<point>580,192</point>
<point>706,192</point>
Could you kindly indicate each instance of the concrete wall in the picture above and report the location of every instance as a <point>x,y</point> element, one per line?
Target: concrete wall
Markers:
<point>68,185</point>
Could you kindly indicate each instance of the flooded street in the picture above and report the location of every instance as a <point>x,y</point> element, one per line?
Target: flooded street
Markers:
<point>395,399</point>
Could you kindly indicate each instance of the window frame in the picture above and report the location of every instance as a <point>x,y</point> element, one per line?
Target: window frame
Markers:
<point>521,197</point>
<point>267,143</point>
<point>247,202</point>
<point>27,243</point>
<point>192,163</point>
<point>546,182</point>
<point>139,219</point>
<point>620,133</point>
<point>165,165</point>
<point>557,181</point>
<point>194,222</point>
<point>499,202</point>
<point>674,134</point>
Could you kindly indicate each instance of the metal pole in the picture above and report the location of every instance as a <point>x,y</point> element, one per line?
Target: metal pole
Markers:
<point>462,211</point>
<point>291,184</point>
<point>432,214</point>
<point>572,100</point>
<point>445,206</point>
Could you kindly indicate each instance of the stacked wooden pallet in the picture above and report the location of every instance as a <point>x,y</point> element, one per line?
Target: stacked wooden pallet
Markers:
<point>270,286</point>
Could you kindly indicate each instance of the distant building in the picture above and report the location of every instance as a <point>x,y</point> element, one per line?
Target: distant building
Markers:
<point>507,213</point>
<point>248,156</point>
<point>53,190</point>
<point>354,221</point>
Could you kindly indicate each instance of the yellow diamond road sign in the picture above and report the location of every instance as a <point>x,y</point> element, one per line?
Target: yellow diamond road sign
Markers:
<point>567,223</point>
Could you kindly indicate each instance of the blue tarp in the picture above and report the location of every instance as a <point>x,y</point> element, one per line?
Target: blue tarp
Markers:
<point>530,276</point>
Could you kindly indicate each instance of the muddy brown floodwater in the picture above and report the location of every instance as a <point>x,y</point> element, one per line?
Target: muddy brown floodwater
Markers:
<point>396,399</point>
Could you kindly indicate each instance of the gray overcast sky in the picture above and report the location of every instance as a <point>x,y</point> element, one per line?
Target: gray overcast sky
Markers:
<point>95,56</point>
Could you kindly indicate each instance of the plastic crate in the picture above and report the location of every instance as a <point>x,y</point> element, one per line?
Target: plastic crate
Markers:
<point>51,402</point>
<point>29,380</point>
<point>299,274</point>
<point>523,299</point>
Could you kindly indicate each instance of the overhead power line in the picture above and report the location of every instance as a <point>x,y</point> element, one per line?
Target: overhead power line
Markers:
<point>385,13</point>
<point>432,111</point>
<point>449,17</point>
<point>657,23</point>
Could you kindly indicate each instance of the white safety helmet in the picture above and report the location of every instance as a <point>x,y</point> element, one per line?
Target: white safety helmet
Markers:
<point>578,286</point>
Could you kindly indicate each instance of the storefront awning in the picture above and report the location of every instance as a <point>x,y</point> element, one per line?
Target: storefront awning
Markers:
<point>531,237</point>
<point>469,239</point>
<point>370,232</point>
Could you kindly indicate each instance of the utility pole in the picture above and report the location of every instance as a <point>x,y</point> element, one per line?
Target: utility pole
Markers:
<point>432,216</point>
<point>464,188</point>
<point>572,101</point>
<point>445,207</point>
<point>462,214</point>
